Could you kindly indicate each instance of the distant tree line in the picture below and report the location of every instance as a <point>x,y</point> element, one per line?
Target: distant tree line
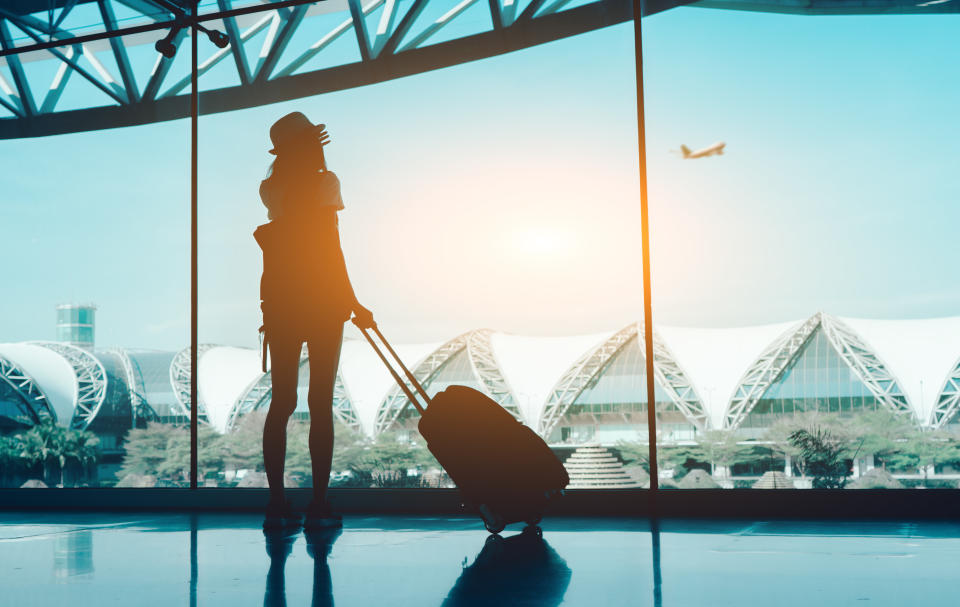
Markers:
<point>160,454</point>
<point>820,447</point>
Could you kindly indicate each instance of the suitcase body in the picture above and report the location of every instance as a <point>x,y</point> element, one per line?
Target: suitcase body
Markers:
<point>500,466</point>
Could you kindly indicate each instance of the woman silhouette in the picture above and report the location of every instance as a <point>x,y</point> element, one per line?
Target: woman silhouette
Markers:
<point>305,296</point>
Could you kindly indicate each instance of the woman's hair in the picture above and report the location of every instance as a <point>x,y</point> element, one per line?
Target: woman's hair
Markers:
<point>284,176</point>
<point>271,190</point>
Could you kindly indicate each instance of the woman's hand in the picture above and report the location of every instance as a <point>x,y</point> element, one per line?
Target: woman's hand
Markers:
<point>363,317</point>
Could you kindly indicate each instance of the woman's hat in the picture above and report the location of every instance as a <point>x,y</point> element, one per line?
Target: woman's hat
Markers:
<point>292,128</point>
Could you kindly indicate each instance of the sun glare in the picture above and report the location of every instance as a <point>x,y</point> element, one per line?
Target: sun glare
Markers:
<point>541,243</point>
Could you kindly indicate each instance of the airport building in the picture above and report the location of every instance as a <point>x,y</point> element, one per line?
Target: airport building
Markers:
<point>588,389</point>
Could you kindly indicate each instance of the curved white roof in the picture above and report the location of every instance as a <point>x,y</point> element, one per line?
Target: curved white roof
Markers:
<point>223,375</point>
<point>919,353</point>
<point>534,365</point>
<point>53,374</point>
<point>714,360</point>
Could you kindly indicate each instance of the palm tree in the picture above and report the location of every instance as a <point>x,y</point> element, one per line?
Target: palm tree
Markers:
<point>9,457</point>
<point>81,446</point>
<point>32,449</point>
<point>47,442</point>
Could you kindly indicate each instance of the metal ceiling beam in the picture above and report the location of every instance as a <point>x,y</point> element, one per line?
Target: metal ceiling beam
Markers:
<point>389,64</point>
<point>400,47</point>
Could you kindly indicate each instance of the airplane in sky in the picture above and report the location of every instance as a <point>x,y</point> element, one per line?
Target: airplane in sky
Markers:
<point>713,150</point>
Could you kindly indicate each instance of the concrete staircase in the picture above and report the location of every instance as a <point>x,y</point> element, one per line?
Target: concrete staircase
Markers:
<point>774,479</point>
<point>594,467</point>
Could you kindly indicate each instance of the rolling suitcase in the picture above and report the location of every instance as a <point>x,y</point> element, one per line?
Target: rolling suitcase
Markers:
<point>500,466</point>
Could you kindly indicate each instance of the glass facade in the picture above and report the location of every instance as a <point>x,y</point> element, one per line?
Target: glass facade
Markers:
<point>152,373</point>
<point>15,412</point>
<point>458,370</point>
<point>818,380</point>
<point>141,428</point>
<point>613,405</point>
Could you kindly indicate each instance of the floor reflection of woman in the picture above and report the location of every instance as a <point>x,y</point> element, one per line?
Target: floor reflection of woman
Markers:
<point>306,296</point>
<point>319,544</point>
<point>279,546</point>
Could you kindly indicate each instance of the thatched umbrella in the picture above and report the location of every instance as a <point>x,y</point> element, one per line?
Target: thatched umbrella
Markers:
<point>876,478</point>
<point>697,479</point>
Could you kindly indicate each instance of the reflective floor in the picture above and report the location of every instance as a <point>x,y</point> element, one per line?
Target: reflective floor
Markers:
<point>214,560</point>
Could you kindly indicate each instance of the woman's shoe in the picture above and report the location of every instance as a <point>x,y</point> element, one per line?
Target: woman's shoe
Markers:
<point>280,515</point>
<point>320,516</point>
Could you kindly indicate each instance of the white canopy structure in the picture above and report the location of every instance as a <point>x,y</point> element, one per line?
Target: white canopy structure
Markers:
<point>717,378</point>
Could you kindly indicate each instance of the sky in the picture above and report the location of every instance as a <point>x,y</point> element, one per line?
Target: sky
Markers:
<point>504,193</point>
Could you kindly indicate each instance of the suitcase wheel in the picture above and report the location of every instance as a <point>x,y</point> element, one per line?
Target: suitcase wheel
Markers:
<point>494,527</point>
<point>531,529</point>
<point>493,522</point>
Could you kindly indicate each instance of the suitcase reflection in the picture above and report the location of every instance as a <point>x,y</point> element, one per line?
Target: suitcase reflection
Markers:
<point>519,570</point>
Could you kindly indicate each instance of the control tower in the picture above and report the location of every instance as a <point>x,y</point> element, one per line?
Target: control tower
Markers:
<point>75,324</point>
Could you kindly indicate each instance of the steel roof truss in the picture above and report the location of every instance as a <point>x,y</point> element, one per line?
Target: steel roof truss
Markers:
<point>380,56</point>
<point>258,394</point>
<point>236,50</point>
<point>91,381</point>
<point>360,29</point>
<point>396,402</point>
<point>672,379</point>
<point>437,25</point>
<point>180,382</point>
<point>767,370</point>
<point>140,409</point>
<point>866,365</point>
<point>325,41</point>
<point>949,400</point>
<point>119,52</point>
<point>221,53</point>
<point>23,95</point>
<point>385,26</point>
<point>487,370</point>
<point>30,26</point>
<point>580,376</point>
<point>37,404</point>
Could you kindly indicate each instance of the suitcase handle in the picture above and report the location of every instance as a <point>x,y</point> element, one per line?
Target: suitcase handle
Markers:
<point>403,385</point>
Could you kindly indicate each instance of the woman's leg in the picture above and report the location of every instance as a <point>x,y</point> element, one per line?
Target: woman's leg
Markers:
<point>284,367</point>
<point>324,359</point>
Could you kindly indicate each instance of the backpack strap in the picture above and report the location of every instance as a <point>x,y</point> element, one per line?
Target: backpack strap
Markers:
<point>263,354</point>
